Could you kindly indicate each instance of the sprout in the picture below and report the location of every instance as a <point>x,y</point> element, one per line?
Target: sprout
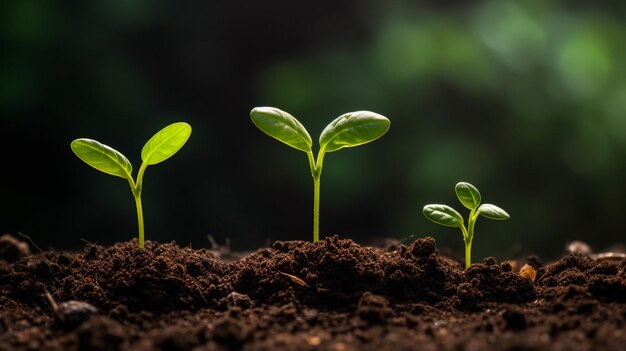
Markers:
<point>470,198</point>
<point>159,148</point>
<point>348,130</point>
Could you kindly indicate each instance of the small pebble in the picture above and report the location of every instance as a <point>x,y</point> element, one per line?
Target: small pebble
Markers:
<point>73,313</point>
<point>579,247</point>
<point>528,272</point>
<point>239,300</point>
<point>12,249</point>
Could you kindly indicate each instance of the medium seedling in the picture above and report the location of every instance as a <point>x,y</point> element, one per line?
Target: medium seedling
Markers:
<point>470,198</point>
<point>159,148</point>
<point>348,130</point>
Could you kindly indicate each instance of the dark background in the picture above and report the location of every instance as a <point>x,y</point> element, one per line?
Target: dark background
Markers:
<point>526,100</point>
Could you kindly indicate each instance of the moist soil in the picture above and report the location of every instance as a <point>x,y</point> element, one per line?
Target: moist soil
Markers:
<point>294,295</point>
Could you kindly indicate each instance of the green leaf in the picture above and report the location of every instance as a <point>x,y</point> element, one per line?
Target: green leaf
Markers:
<point>165,143</point>
<point>353,129</point>
<point>493,212</point>
<point>282,126</point>
<point>468,195</point>
<point>102,157</point>
<point>444,215</point>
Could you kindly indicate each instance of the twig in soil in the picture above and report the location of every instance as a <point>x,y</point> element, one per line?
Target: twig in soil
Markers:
<point>31,241</point>
<point>295,279</point>
<point>96,284</point>
<point>214,244</point>
<point>70,313</point>
<point>37,247</point>
<point>609,256</point>
<point>87,241</point>
<point>53,304</point>
<point>217,247</point>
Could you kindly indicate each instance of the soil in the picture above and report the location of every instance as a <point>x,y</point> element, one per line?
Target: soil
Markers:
<point>331,295</point>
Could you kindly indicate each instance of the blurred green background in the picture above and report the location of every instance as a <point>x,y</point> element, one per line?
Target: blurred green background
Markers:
<point>526,100</point>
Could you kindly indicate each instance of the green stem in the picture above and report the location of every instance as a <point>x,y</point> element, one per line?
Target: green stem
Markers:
<point>137,196</point>
<point>468,246</point>
<point>316,172</point>
<point>469,237</point>
<point>137,188</point>
<point>316,208</point>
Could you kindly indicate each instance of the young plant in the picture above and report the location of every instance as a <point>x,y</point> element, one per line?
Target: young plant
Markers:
<point>348,130</point>
<point>159,148</point>
<point>470,198</point>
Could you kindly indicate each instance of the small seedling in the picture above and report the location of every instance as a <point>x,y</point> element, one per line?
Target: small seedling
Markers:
<point>348,130</point>
<point>159,148</point>
<point>470,198</point>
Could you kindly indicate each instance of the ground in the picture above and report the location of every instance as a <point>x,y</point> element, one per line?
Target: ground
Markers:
<point>295,295</point>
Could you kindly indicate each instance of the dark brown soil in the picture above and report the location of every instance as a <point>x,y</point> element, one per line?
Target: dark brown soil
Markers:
<point>332,295</point>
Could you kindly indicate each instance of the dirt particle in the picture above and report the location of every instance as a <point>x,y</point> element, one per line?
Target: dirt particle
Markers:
<point>119,312</point>
<point>100,333</point>
<point>423,247</point>
<point>12,249</point>
<point>514,318</point>
<point>508,266</point>
<point>579,247</point>
<point>374,308</point>
<point>528,272</point>
<point>310,315</point>
<point>228,332</point>
<point>490,261</point>
<point>72,313</point>
<point>314,340</point>
<point>239,300</point>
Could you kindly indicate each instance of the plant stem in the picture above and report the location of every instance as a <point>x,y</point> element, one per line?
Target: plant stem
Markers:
<point>469,236</point>
<point>468,245</point>
<point>316,207</point>
<point>316,173</point>
<point>137,196</point>
<point>136,189</point>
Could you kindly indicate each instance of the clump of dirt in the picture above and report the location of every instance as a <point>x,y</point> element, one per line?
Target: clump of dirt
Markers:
<point>489,282</point>
<point>331,295</point>
<point>337,272</point>
<point>12,249</point>
<point>162,277</point>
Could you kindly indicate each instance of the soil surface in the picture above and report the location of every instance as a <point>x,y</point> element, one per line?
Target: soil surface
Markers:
<point>331,295</point>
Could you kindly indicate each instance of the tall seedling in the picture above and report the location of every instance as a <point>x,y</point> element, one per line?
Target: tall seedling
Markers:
<point>348,130</point>
<point>159,148</point>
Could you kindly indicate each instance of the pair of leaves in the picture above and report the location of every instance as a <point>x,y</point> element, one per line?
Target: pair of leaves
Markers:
<point>163,145</point>
<point>470,198</point>
<point>446,215</point>
<point>348,130</point>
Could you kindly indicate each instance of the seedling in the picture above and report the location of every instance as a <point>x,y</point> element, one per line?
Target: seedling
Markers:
<point>348,130</point>
<point>470,198</point>
<point>159,148</point>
